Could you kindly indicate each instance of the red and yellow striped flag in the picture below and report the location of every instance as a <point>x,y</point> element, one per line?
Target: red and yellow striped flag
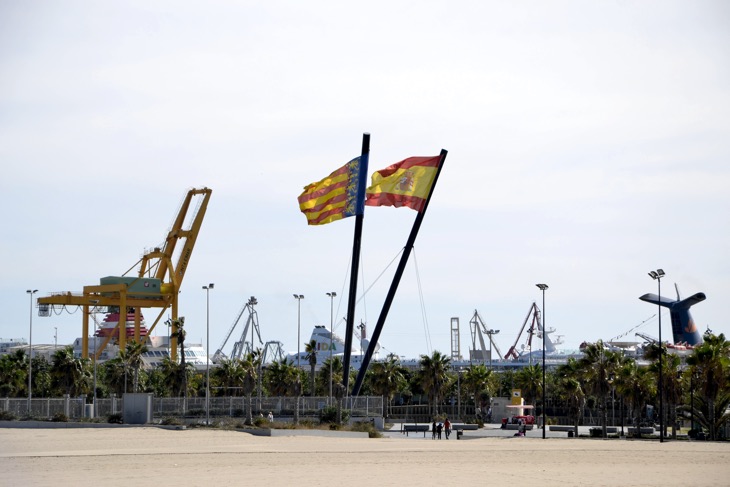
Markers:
<point>405,183</point>
<point>333,198</point>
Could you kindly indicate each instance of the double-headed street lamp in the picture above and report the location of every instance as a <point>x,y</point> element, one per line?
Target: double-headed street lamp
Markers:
<point>491,340</point>
<point>657,276</point>
<point>299,298</point>
<point>30,350</point>
<point>332,302</point>
<point>543,287</point>
<point>207,352</point>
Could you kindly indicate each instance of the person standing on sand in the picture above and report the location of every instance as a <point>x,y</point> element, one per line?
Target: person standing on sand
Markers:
<point>439,427</point>
<point>433,430</point>
<point>447,428</point>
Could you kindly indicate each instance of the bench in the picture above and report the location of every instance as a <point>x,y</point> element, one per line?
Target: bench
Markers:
<point>597,431</point>
<point>464,426</point>
<point>647,430</point>
<point>515,426</point>
<point>563,428</point>
<point>408,428</point>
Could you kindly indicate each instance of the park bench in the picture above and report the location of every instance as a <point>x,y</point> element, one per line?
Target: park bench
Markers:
<point>408,428</point>
<point>646,430</point>
<point>515,426</point>
<point>597,431</point>
<point>464,426</point>
<point>564,428</point>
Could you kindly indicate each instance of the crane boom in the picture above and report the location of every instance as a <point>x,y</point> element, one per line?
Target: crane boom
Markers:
<point>157,284</point>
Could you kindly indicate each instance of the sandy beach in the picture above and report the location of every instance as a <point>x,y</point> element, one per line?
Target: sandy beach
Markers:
<point>150,456</point>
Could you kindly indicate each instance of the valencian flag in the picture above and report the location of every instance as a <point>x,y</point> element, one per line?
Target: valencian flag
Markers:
<point>405,183</point>
<point>336,196</point>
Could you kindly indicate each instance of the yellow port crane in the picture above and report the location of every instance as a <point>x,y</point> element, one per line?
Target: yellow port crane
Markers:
<point>156,285</point>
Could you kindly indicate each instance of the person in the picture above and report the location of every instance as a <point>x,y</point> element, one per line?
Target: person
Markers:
<point>271,417</point>
<point>447,428</point>
<point>439,428</point>
<point>433,430</point>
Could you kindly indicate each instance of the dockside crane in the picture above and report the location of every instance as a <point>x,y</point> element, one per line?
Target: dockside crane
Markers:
<point>157,282</point>
<point>478,330</point>
<point>535,327</point>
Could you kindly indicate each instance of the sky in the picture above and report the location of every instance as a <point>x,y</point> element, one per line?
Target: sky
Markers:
<point>588,144</point>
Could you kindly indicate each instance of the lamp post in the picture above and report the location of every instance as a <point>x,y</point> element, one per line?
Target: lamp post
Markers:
<point>490,333</point>
<point>332,302</point>
<point>543,287</point>
<point>207,352</point>
<point>299,298</point>
<point>657,276</point>
<point>30,350</point>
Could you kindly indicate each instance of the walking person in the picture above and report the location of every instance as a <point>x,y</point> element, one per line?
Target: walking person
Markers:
<point>433,430</point>
<point>447,428</point>
<point>439,428</point>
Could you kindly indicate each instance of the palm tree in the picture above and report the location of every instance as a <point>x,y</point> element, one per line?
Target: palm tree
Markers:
<point>13,373</point>
<point>386,378</point>
<point>179,326</point>
<point>132,359</point>
<point>279,377</point>
<point>599,369</point>
<point>476,380</point>
<point>710,363</point>
<point>229,374</point>
<point>311,350</point>
<point>323,376</point>
<point>433,375</point>
<point>529,380</point>
<point>634,384</point>
<point>250,373</point>
<point>69,373</point>
<point>571,390</point>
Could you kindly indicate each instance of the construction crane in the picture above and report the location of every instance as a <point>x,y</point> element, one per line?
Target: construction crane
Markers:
<point>479,329</point>
<point>535,327</point>
<point>242,347</point>
<point>156,284</point>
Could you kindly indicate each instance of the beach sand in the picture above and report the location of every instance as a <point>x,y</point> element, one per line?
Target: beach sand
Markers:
<point>150,456</point>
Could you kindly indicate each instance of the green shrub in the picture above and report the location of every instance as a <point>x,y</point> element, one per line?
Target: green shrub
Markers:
<point>116,418</point>
<point>59,418</point>
<point>7,416</point>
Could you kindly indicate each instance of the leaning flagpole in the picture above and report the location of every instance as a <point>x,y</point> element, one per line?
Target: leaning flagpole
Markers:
<point>352,299</point>
<point>396,280</point>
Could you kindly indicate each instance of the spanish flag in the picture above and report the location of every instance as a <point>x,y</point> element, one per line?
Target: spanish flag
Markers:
<point>333,198</point>
<point>405,183</point>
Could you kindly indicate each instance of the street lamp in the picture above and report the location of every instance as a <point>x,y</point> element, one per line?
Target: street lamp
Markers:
<point>657,276</point>
<point>332,301</point>
<point>299,298</point>
<point>30,350</point>
<point>543,287</point>
<point>490,333</point>
<point>207,352</point>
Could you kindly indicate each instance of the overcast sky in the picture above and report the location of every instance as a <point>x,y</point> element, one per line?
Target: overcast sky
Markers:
<point>588,144</point>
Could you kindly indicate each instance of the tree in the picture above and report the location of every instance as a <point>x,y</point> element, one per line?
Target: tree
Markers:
<point>280,377</point>
<point>131,357</point>
<point>311,350</point>
<point>433,375</point>
<point>229,375</point>
<point>599,367</point>
<point>179,326</point>
<point>710,364</point>
<point>570,389</point>
<point>249,370</point>
<point>634,384</point>
<point>70,374</point>
<point>13,373</point>
<point>386,378</point>
<point>476,380</point>
<point>529,380</point>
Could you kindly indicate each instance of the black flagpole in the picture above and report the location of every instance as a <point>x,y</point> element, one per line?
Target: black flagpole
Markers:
<point>352,299</point>
<point>396,280</point>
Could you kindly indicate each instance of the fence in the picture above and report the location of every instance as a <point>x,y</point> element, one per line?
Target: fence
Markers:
<point>163,407</point>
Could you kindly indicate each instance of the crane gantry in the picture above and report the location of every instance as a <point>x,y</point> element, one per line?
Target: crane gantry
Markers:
<point>156,284</point>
